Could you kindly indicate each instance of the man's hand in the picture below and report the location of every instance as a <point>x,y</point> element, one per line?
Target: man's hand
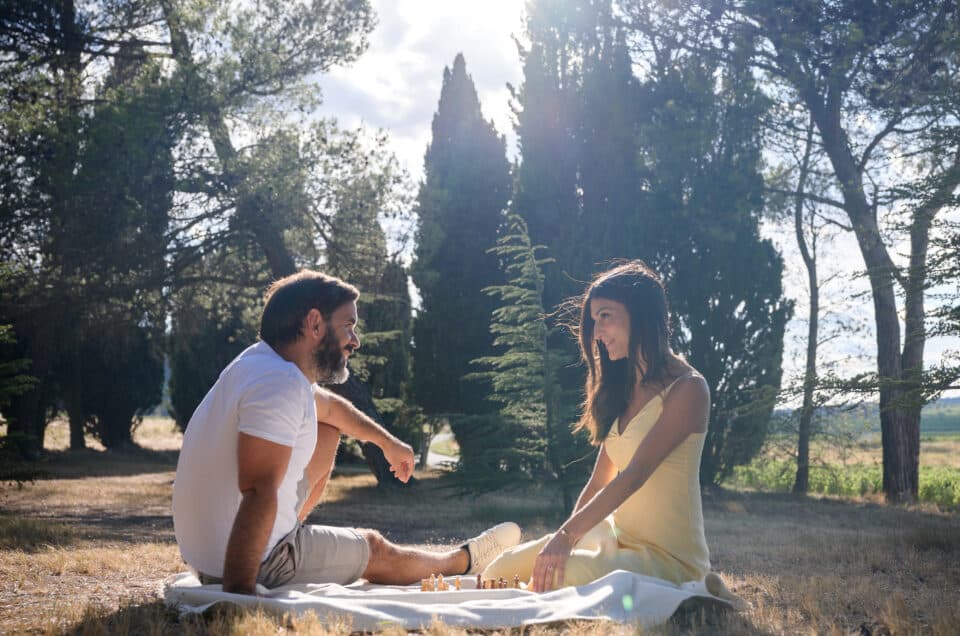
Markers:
<point>400,458</point>
<point>337,412</point>
<point>551,563</point>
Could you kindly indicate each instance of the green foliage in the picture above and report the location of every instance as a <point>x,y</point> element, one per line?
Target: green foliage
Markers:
<point>101,221</point>
<point>940,419</point>
<point>122,377</point>
<point>211,323</point>
<point>666,169</point>
<point>94,187</point>
<point>530,440</point>
<point>13,468</point>
<point>496,452</point>
<point>13,380</point>
<point>843,63</point>
<point>938,484</point>
<point>368,182</point>
<point>460,204</point>
<point>704,147</point>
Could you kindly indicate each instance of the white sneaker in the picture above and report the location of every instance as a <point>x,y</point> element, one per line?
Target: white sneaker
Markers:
<point>488,545</point>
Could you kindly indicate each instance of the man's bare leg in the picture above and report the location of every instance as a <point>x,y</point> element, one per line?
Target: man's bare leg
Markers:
<point>391,564</point>
<point>321,465</point>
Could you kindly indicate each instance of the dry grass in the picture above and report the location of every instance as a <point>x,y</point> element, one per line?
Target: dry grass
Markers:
<point>935,450</point>
<point>84,551</point>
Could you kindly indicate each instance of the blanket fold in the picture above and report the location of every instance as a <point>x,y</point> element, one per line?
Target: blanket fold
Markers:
<point>619,596</point>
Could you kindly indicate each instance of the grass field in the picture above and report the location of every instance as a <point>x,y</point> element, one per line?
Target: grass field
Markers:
<point>856,470</point>
<point>83,550</point>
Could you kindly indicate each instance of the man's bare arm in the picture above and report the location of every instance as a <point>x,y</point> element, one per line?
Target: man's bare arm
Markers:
<point>349,420</point>
<point>321,465</point>
<point>262,465</point>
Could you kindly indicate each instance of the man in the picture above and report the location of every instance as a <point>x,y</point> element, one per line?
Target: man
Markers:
<point>259,450</point>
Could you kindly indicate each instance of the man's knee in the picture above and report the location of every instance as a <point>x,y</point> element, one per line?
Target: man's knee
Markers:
<point>380,548</point>
<point>382,556</point>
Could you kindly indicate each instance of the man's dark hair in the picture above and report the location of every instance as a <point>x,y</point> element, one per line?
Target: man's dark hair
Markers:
<point>289,300</point>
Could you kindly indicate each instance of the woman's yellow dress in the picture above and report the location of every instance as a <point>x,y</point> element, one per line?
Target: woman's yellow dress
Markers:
<point>657,531</point>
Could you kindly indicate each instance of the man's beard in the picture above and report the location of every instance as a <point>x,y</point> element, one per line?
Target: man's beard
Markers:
<point>330,361</point>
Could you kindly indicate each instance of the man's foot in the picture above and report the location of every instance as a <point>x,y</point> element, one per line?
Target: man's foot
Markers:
<point>488,545</point>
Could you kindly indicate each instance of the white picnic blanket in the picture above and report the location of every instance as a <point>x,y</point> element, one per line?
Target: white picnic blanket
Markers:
<point>619,596</point>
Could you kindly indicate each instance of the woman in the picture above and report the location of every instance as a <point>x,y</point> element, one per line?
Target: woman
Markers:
<point>647,410</point>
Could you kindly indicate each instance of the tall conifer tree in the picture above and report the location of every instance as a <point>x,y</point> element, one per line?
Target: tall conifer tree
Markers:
<point>461,202</point>
<point>703,145</point>
<point>546,188</point>
<point>665,170</point>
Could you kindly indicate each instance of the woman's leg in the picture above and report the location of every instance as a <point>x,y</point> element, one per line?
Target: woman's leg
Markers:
<point>517,561</point>
<point>585,566</point>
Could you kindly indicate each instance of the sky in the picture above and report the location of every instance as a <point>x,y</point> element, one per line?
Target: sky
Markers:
<point>395,86</point>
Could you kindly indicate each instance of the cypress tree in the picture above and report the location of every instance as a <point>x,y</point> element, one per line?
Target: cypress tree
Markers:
<point>546,187</point>
<point>460,204</point>
<point>704,147</point>
<point>668,171</point>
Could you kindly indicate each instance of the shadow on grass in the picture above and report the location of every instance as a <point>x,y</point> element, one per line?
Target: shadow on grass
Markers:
<point>33,534</point>
<point>848,511</point>
<point>131,460</point>
<point>223,618</point>
<point>148,618</point>
<point>429,512</point>
<point>29,534</point>
<point>702,616</point>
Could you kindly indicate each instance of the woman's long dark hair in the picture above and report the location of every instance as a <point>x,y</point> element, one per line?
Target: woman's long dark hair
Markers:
<point>610,382</point>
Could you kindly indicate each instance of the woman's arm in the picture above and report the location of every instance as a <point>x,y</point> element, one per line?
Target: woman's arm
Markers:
<point>604,471</point>
<point>685,412</point>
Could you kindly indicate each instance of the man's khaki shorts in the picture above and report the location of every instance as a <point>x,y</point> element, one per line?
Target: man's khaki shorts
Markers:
<point>312,554</point>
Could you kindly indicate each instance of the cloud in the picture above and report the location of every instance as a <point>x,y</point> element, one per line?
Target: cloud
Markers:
<point>396,84</point>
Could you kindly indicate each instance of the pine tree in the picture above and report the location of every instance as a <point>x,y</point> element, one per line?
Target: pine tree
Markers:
<point>534,441</point>
<point>460,204</point>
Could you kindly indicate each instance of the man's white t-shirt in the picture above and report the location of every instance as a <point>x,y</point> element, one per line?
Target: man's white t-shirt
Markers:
<point>260,394</point>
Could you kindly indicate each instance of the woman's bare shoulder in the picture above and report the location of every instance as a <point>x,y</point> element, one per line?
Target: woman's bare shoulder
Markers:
<point>689,398</point>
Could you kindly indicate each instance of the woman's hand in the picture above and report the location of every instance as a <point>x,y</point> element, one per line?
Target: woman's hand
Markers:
<point>551,563</point>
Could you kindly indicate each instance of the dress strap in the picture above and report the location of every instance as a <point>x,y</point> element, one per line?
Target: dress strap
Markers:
<point>688,374</point>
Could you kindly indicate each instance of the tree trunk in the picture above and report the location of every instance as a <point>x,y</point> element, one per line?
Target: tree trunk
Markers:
<point>801,483</point>
<point>76,419</point>
<point>900,429</point>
